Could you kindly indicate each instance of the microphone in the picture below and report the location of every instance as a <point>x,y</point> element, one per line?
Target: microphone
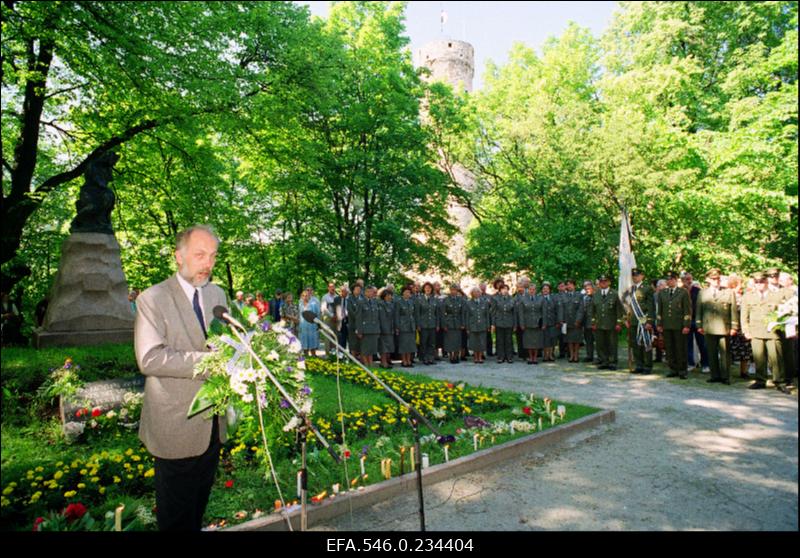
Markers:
<point>310,317</point>
<point>221,313</point>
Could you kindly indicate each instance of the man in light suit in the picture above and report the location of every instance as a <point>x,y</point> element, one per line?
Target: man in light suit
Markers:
<point>169,339</point>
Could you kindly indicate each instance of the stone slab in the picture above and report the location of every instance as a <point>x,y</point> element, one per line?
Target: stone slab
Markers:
<point>372,494</point>
<point>106,394</point>
<point>43,339</point>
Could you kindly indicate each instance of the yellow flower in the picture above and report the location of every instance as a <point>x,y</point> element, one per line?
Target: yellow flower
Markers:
<point>4,501</point>
<point>149,473</point>
<point>102,490</point>
<point>140,467</point>
<point>117,479</point>
<point>83,471</point>
<point>95,479</point>
<point>127,465</point>
<point>104,454</point>
<point>70,494</point>
<point>81,485</point>
<point>129,476</point>
<point>118,458</point>
<point>40,469</point>
<point>8,491</point>
<point>129,451</point>
<point>40,479</point>
<point>136,458</point>
<point>58,475</point>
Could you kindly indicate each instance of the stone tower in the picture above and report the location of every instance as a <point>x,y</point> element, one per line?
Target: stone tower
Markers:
<point>450,61</point>
<point>453,62</point>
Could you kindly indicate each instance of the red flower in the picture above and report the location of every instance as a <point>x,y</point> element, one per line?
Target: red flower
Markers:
<point>229,484</point>
<point>96,412</point>
<point>347,454</point>
<point>74,511</point>
<point>451,386</point>
<point>526,410</point>
<point>37,522</point>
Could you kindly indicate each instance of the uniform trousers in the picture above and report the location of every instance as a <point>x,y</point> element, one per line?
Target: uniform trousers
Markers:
<point>505,344</point>
<point>789,357</point>
<point>607,342</point>
<point>719,356</point>
<point>642,359</point>
<point>184,485</point>
<point>427,344</point>
<point>523,353</point>
<point>676,348</point>
<point>588,340</point>
<point>768,350</point>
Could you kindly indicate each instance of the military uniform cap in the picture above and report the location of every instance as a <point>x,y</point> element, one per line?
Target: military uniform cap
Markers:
<point>637,271</point>
<point>759,277</point>
<point>673,275</point>
<point>713,273</point>
<point>772,272</point>
<point>603,278</point>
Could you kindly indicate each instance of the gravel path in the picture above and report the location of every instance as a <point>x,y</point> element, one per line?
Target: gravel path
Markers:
<point>682,455</point>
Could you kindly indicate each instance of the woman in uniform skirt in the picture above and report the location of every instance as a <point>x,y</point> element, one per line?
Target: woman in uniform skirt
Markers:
<point>368,325</point>
<point>571,313</point>
<point>529,318</point>
<point>405,327</point>
<point>453,323</point>
<point>386,341</point>
<point>549,322</point>
<point>503,319</point>
<point>476,321</point>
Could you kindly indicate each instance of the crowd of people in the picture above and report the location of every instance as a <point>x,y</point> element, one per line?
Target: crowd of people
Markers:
<point>667,319</point>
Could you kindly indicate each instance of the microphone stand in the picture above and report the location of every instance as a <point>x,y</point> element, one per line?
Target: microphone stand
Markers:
<point>413,420</point>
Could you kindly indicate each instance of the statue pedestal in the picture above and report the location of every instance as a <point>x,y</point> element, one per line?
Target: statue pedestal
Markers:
<point>89,298</point>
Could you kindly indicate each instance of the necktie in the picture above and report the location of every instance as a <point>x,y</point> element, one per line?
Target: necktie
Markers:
<point>198,312</point>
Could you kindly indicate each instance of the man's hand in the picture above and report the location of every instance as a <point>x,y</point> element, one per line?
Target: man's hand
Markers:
<point>701,331</point>
<point>732,333</point>
<point>617,328</point>
<point>685,331</point>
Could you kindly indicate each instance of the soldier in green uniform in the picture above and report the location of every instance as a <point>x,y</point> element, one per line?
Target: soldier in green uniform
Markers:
<point>386,341</point>
<point>607,313</point>
<point>571,314</point>
<point>427,318</point>
<point>588,334</point>
<point>452,321</point>
<point>405,327</point>
<point>353,306</point>
<point>783,294</point>
<point>560,297</point>
<point>476,320</point>
<point>530,321</point>
<point>673,320</point>
<point>368,325</point>
<point>756,306</point>
<point>503,319</point>
<point>644,295</point>
<point>718,321</point>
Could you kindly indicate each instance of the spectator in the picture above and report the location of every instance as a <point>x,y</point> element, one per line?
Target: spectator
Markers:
<point>249,309</point>
<point>275,306</point>
<point>328,309</point>
<point>741,349</point>
<point>694,336</point>
<point>261,305</point>
<point>658,340</point>
<point>132,299</point>
<point>238,302</point>
<point>308,331</point>
<point>289,313</point>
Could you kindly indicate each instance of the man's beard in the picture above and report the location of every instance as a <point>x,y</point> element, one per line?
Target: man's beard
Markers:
<point>184,271</point>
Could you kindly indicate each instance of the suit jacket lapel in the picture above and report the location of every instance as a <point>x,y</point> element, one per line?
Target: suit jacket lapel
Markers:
<point>187,314</point>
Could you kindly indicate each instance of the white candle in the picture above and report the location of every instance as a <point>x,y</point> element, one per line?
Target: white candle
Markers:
<point>118,517</point>
<point>336,488</point>
<point>552,417</point>
<point>562,410</point>
<point>425,461</point>
<point>511,429</point>
<point>413,461</point>
<point>363,457</point>
<point>299,484</point>
<point>475,441</point>
<point>540,423</point>
<point>446,455</point>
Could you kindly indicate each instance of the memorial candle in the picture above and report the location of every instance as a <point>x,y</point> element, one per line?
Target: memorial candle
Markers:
<point>363,457</point>
<point>446,455</point>
<point>475,441</point>
<point>413,461</point>
<point>540,423</point>
<point>118,517</point>
<point>299,484</point>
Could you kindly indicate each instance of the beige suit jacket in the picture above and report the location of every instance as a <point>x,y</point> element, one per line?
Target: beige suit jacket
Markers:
<point>168,342</point>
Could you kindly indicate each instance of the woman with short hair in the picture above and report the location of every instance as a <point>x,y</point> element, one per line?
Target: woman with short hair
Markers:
<point>476,322</point>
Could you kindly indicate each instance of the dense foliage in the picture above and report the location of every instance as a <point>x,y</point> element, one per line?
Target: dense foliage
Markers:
<point>302,141</point>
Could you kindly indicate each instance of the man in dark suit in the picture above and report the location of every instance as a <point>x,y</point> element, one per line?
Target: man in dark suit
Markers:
<point>275,306</point>
<point>170,332</point>
<point>341,313</point>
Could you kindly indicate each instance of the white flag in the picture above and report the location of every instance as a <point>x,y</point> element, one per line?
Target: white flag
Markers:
<point>627,261</point>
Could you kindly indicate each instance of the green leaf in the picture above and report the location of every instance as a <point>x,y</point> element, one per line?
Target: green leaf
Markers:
<point>202,401</point>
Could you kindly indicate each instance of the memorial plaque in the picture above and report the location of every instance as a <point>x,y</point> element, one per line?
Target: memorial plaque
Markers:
<point>106,394</point>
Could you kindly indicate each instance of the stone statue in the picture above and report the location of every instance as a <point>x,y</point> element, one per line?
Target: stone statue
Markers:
<point>96,200</point>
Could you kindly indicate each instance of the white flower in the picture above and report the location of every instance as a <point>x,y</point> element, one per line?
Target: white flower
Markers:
<point>123,413</point>
<point>301,364</point>
<point>247,398</point>
<point>111,414</point>
<point>283,339</point>
<point>261,374</point>
<point>249,375</point>
<point>252,317</point>
<point>292,424</point>
<point>300,376</point>
<point>279,327</point>
<point>273,355</point>
<point>306,407</point>
<point>295,346</point>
